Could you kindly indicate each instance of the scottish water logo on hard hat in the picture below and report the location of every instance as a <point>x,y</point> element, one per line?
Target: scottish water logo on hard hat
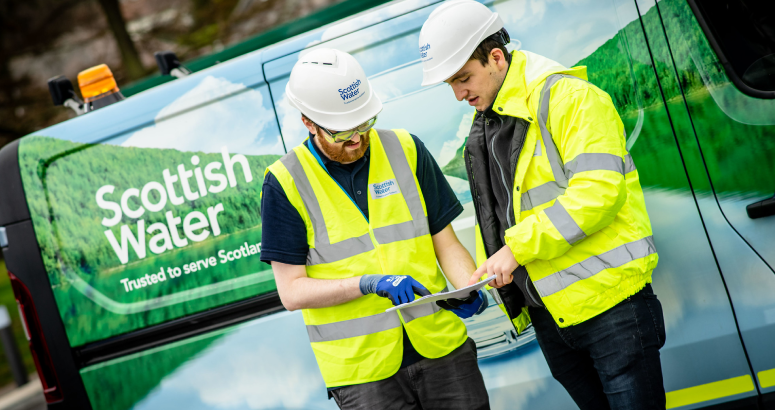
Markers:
<point>424,52</point>
<point>351,92</point>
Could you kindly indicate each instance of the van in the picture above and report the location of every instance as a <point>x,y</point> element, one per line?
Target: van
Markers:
<point>134,231</point>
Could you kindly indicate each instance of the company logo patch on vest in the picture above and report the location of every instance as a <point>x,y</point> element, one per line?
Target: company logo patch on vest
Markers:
<point>383,189</point>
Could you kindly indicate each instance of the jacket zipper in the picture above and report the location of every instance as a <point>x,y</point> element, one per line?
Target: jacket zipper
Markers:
<point>503,178</point>
<point>523,137</point>
<point>529,293</point>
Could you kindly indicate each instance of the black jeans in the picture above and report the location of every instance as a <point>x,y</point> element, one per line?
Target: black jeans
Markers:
<point>612,360</point>
<point>450,382</point>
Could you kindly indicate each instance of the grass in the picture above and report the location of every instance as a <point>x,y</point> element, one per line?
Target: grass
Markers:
<point>7,299</point>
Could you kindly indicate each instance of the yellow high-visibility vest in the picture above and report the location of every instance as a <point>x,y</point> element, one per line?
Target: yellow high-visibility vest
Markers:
<point>581,230</point>
<point>358,342</point>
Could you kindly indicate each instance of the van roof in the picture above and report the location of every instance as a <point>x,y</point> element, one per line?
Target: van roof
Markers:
<point>246,68</point>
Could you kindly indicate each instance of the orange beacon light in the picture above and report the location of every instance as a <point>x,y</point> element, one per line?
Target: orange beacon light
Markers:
<point>98,87</point>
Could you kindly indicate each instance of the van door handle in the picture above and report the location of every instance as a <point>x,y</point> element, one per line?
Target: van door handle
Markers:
<point>761,209</point>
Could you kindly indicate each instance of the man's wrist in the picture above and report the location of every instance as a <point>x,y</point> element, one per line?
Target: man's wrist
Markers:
<point>513,254</point>
<point>511,244</point>
<point>368,283</point>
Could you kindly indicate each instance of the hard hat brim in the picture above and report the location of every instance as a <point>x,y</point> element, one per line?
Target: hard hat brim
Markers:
<point>339,121</point>
<point>456,61</point>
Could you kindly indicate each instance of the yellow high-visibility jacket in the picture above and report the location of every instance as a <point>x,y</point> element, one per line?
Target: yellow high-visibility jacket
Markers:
<point>581,227</point>
<point>358,341</point>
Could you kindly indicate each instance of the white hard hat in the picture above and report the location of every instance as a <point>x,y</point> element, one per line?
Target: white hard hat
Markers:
<point>451,34</point>
<point>331,89</point>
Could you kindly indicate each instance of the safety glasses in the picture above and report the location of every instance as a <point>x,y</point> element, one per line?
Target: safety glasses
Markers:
<point>342,136</point>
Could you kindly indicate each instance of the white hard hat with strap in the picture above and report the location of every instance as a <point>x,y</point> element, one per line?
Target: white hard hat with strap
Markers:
<point>331,89</point>
<point>451,34</point>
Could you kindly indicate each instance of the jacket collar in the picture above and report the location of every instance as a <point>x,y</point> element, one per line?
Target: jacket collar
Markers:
<point>526,72</point>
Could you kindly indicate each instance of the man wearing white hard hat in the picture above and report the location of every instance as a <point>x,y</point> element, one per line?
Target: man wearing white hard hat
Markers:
<point>562,222</point>
<point>354,221</point>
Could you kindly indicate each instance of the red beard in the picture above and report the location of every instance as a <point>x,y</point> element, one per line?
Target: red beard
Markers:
<point>339,153</point>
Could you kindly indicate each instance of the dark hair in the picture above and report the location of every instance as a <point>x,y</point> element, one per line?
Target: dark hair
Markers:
<point>499,40</point>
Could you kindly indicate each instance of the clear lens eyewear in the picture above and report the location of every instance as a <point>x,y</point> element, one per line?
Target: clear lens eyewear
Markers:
<point>342,136</point>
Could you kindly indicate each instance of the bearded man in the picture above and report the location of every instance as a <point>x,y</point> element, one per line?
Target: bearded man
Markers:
<point>354,222</point>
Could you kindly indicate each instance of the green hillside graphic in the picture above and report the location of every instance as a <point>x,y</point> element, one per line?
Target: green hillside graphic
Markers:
<point>61,179</point>
<point>456,167</point>
<point>633,86</point>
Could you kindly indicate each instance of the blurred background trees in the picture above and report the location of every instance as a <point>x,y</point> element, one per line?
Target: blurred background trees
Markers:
<point>40,39</point>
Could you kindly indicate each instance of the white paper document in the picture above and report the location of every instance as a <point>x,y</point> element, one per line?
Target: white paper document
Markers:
<point>455,294</point>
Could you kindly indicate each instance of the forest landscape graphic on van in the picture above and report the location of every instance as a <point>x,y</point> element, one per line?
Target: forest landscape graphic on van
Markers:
<point>141,233</point>
<point>633,87</point>
<point>112,272</point>
<point>74,243</point>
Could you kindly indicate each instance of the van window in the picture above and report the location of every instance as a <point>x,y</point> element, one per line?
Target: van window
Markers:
<point>742,33</point>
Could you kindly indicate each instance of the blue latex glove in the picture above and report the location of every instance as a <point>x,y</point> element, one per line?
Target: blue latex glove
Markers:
<point>398,288</point>
<point>475,304</point>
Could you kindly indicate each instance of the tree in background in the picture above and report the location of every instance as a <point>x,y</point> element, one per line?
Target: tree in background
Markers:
<point>27,27</point>
<point>40,39</point>
<point>129,57</point>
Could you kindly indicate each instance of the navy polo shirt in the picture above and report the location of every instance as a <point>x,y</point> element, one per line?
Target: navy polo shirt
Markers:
<point>284,235</point>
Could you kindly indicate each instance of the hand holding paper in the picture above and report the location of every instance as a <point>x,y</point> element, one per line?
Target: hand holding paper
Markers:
<point>475,304</point>
<point>455,294</point>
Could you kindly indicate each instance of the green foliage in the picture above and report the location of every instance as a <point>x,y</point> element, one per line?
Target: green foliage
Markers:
<point>201,37</point>
<point>7,299</point>
<point>632,84</point>
<point>609,68</point>
<point>733,130</point>
<point>456,167</point>
<point>61,179</point>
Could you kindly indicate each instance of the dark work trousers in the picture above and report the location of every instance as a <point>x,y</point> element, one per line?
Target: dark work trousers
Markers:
<point>448,383</point>
<point>612,360</point>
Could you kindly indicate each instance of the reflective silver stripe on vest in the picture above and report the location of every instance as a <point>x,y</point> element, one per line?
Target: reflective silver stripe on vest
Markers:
<point>332,252</point>
<point>564,223</point>
<point>595,264</point>
<point>418,226</point>
<point>496,296</point>
<point>594,162</point>
<point>415,312</point>
<point>394,233</point>
<point>324,251</point>
<point>354,327</point>
<point>541,195</point>
<point>629,164</point>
